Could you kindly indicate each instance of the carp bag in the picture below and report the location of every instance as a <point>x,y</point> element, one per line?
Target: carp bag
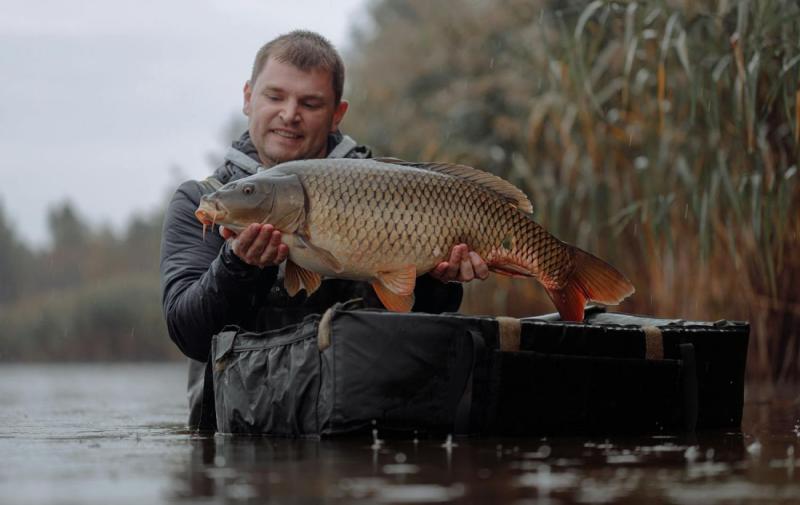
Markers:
<point>350,371</point>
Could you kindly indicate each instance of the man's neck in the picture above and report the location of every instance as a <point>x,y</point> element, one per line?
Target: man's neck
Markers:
<point>269,162</point>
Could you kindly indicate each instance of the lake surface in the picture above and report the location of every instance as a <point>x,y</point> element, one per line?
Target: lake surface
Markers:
<point>89,434</point>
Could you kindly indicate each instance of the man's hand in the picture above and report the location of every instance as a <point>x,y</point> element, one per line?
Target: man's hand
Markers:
<point>258,245</point>
<point>463,266</point>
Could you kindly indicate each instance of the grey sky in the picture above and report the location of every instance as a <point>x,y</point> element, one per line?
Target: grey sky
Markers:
<point>101,100</point>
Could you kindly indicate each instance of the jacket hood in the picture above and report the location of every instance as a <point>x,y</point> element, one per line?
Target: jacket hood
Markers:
<point>242,159</point>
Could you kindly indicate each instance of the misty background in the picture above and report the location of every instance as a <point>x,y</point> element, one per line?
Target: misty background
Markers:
<point>110,104</point>
<point>660,135</point>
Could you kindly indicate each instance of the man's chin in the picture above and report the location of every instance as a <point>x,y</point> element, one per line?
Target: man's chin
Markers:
<point>279,153</point>
<point>282,155</point>
<point>269,159</point>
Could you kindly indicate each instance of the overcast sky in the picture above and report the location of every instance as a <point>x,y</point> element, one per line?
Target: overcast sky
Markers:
<point>110,103</point>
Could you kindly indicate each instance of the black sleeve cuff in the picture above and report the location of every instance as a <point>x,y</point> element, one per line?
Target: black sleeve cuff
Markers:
<point>234,264</point>
<point>434,296</point>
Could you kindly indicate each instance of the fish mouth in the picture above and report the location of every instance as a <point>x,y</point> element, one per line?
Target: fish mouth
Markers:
<point>211,212</point>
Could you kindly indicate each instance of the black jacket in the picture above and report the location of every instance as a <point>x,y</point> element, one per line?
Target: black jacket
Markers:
<point>206,287</point>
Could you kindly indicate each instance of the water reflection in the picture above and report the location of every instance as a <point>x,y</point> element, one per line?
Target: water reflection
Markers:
<point>115,434</point>
<point>702,468</point>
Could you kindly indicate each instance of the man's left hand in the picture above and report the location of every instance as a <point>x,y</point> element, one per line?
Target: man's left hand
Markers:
<point>462,266</point>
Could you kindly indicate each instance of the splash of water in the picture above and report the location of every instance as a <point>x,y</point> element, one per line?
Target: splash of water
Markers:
<point>449,444</point>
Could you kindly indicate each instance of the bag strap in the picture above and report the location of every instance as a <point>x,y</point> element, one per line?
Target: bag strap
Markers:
<point>208,411</point>
<point>324,328</point>
<point>653,342</point>
<point>509,331</point>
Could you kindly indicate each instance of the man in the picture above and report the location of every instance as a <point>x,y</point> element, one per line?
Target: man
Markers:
<point>294,106</point>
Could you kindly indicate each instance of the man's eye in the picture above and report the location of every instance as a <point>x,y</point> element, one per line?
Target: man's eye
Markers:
<point>311,105</point>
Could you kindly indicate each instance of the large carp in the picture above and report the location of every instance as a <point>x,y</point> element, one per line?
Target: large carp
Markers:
<point>387,221</point>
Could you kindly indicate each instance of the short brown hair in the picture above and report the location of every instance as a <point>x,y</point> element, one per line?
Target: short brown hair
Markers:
<point>305,50</point>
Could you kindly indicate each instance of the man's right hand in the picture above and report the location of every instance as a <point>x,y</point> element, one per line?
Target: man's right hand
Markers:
<point>258,245</point>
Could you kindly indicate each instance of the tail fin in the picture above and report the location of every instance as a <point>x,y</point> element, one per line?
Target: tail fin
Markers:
<point>592,279</point>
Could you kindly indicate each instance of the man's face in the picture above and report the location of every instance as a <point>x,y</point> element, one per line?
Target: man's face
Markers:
<point>291,112</point>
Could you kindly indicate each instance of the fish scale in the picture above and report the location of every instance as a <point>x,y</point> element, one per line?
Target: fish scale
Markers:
<point>450,211</point>
<point>378,220</point>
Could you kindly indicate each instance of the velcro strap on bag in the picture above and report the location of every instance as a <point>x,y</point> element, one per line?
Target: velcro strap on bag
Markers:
<point>324,329</point>
<point>654,343</point>
<point>510,329</point>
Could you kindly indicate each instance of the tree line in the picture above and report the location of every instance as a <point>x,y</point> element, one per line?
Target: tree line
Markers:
<point>91,294</point>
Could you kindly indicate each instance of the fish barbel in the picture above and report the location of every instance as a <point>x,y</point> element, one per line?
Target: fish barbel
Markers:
<point>388,221</point>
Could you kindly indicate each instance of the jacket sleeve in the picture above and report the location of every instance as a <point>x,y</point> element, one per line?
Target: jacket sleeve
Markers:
<point>434,296</point>
<point>204,286</point>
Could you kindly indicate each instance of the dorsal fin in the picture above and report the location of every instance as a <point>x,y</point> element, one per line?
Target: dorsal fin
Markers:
<point>502,187</point>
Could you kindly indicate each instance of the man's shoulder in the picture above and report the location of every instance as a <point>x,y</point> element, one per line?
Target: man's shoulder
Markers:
<point>189,190</point>
<point>195,188</point>
<point>187,196</point>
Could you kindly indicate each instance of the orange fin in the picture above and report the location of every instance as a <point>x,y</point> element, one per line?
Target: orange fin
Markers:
<point>510,270</point>
<point>593,279</point>
<point>297,278</point>
<point>569,301</point>
<point>401,281</point>
<point>393,301</point>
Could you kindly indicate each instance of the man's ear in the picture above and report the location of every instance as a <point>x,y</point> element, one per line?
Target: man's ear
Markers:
<point>248,94</point>
<point>338,114</point>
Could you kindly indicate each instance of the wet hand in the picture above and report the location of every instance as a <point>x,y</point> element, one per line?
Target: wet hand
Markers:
<point>258,245</point>
<point>462,266</point>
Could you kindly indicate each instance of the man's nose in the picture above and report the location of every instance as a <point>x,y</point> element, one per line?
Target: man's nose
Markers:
<point>289,111</point>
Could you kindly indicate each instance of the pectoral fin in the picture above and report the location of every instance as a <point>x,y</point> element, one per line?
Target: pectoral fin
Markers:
<point>392,301</point>
<point>323,254</point>
<point>401,281</point>
<point>297,278</point>
<point>396,288</point>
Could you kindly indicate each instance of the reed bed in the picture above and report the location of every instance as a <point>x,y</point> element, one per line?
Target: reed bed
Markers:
<point>662,136</point>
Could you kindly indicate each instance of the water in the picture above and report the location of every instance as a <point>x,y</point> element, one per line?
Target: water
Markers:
<point>114,434</point>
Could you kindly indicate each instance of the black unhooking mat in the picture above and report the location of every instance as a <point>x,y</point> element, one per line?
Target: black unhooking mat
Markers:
<point>352,370</point>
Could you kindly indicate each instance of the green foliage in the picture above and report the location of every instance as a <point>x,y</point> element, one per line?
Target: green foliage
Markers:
<point>119,318</point>
<point>661,135</point>
<point>13,261</point>
<point>66,228</point>
<point>90,296</point>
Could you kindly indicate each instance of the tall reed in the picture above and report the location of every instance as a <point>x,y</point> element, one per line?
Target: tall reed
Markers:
<point>661,135</point>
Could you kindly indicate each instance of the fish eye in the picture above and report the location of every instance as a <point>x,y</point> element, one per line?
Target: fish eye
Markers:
<point>247,189</point>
